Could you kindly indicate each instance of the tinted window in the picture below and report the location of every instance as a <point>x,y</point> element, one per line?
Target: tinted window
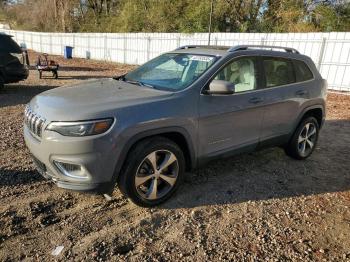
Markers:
<point>303,72</point>
<point>278,71</point>
<point>241,72</point>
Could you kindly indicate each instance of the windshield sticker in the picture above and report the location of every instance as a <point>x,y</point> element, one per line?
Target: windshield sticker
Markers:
<point>201,58</point>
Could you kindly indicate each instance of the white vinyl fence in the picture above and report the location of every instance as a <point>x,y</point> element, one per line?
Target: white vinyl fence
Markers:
<point>329,51</point>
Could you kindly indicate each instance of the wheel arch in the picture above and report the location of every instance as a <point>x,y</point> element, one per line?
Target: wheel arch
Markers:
<point>315,111</point>
<point>178,135</point>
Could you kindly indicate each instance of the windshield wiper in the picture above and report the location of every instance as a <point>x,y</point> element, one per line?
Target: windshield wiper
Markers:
<point>135,82</point>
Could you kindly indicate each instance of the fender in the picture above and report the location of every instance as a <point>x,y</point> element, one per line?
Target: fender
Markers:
<point>308,109</point>
<point>154,132</point>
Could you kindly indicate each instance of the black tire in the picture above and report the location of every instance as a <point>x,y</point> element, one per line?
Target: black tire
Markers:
<point>138,161</point>
<point>2,82</point>
<point>295,146</point>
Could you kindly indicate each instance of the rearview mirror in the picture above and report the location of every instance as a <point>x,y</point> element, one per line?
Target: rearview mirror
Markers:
<point>183,61</point>
<point>220,87</point>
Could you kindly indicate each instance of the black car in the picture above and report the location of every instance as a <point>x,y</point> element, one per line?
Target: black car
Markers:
<point>13,61</point>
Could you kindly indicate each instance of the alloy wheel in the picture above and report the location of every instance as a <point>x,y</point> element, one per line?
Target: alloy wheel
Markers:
<point>157,174</point>
<point>307,139</point>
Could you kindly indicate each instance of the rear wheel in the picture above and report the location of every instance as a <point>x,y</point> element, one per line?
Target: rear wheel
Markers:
<point>304,139</point>
<point>152,172</point>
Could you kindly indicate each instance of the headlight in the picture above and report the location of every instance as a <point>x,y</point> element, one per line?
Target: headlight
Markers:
<point>86,128</point>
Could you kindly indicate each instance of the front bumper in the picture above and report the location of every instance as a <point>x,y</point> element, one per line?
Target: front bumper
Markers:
<point>95,155</point>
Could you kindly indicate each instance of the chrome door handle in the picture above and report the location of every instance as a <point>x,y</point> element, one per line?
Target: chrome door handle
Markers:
<point>255,100</point>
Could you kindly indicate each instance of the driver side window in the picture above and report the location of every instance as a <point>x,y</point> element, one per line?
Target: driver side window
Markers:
<point>241,72</point>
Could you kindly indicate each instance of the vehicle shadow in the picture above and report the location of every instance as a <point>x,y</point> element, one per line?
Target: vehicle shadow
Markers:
<point>270,174</point>
<point>80,68</point>
<point>80,77</point>
<point>10,177</point>
<point>32,67</point>
<point>49,76</point>
<point>12,95</point>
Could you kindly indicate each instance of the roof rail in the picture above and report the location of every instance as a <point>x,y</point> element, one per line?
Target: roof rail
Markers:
<point>202,46</point>
<point>246,47</point>
<point>190,46</point>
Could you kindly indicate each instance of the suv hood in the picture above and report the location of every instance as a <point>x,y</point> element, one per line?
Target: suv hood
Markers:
<point>92,99</point>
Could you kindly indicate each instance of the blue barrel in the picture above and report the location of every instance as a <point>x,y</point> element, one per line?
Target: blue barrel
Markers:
<point>68,50</point>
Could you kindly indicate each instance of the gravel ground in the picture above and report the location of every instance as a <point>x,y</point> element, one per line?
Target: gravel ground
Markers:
<point>262,206</point>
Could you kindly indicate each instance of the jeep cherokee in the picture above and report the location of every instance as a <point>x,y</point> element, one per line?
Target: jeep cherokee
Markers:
<point>143,130</point>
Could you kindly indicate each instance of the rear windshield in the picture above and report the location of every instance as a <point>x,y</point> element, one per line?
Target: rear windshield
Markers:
<point>7,44</point>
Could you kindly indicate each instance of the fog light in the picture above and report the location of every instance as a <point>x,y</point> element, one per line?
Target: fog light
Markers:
<point>71,170</point>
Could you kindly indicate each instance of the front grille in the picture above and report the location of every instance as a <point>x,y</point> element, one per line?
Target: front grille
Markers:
<point>34,122</point>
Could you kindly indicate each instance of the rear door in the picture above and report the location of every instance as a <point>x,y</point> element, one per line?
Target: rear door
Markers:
<point>283,97</point>
<point>233,121</point>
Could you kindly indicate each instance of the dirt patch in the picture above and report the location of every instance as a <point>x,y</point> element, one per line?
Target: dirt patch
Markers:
<point>260,206</point>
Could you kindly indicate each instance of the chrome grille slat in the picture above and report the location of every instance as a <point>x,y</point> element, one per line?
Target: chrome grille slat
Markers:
<point>34,122</point>
<point>40,125</point>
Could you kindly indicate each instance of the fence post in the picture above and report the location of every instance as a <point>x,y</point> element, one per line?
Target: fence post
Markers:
<point>31,41</point>
<point>320,58</point>
<point>41,44</point>
<point>148,48</point>
<point>178,41</point>
<point>263,41</point>
<point>105,47</point>
<point>50,44</point>
<point>88,51</point>
<point>124,48</point>
<point>61,45</point>
<point>216,41</point>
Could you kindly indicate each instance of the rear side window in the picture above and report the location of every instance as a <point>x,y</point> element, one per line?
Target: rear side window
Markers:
<point>7,44</point>
<point>278,71</point>
<point>302,71</point>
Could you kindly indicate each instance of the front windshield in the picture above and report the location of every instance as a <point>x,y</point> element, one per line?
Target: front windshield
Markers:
<point>172,72</point>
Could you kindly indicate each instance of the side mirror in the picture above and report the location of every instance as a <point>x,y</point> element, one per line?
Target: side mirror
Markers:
<point>220,87</point>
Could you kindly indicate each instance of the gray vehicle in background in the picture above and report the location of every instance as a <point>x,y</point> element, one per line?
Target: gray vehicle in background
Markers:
<point>143,130</point>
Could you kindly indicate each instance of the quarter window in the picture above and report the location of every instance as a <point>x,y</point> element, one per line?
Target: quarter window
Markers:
<point>241,72</point>
<point>278,71</point>
<point>302,71</point>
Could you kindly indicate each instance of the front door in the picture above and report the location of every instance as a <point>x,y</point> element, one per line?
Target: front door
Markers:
<point>229,122</point>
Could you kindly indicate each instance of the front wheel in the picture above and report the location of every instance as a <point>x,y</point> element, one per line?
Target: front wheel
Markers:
<point>153,171</point>
<point>304,139</point>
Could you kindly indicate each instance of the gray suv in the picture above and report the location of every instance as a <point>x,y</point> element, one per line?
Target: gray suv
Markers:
<point>143,130</point>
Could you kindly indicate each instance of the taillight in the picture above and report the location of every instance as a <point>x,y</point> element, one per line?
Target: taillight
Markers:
<point>19,56</point>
